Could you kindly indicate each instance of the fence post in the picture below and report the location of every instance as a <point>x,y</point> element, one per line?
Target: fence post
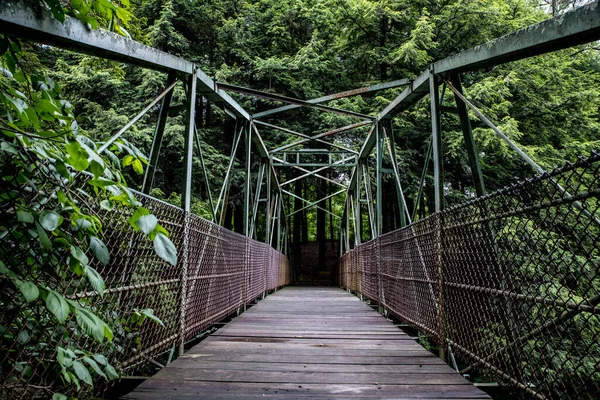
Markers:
<point>186,200</point>
<point>441,311</point>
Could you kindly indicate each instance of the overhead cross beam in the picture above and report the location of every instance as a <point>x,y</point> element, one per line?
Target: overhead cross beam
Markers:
<point>290,100</point>
<point>340,95</point>
<point>313,204</point>
<point>311,173</point>
<point>321,135</point>
<point>303,135</point>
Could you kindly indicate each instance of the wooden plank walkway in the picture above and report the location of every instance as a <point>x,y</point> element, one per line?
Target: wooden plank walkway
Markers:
<point>308,343</point>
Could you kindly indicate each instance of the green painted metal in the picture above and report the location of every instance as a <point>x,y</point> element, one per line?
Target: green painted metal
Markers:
<point>321,135</point>
<point>340,95</point>
<point>436,134</point>
<point>423,175</point>
<point>404,215</point>
<point>339,163</point>
<point>290,100</point>
<point>186,196</point>
<point>303,135</point>
<point>236,142</point>
<point>259,180</point>
<point>378,177</point>
<point>311,204</point>
<point>205,175</point>
<point>472,153</point>
<point>124,129</point>
<point>158,136</point>
<point>247,135</point>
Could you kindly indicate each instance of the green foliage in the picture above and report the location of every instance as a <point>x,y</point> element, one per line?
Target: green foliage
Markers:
<point>54,179</point>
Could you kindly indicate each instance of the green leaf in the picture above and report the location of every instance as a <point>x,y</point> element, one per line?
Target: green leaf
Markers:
<point>89,361</point>
<point>57,305</point>
<point>165,249</point>
<point>99,250</point>
<point>23,336</point>
<point>9,148</point>
<point>79,255</point>
<point>43,236</point>
<point>102,182</point>
<point>59,396</point>
<point>90,324</point>
<point>82,372</point>
<point>100,359</point>
<point>147,223</point>
<point>108,333</point>
<point>107,205</point>
<point>95,280</point>
<point>137,166</point>
<point>24,216</point>
<point>82,224</point>
<point>57,9</point>
<point>110,370</point>
<point>127,160</point>
<point>139,213</point>
<point>63,357</point>
<point>29,290</point>
<point>50,220</point>
<point>62,169</point>
<point>77,156</point>
<point>148,312</point>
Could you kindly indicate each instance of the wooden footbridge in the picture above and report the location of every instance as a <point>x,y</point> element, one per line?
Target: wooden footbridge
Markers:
<point>303,342</point>
<point>504,287</point>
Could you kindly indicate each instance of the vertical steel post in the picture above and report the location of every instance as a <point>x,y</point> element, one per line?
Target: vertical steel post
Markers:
<point>268,214</point>
<point>379,193</point>
<point>438,176</point>
<point>247,134</point>
<point>279,222</point>
<point>474,161</point>
<point>187,201</point>
<point>357,216</point>
<point>261,171</point>
<point>205,175</point>
<point>438,164</point>
<point>158,136</point>
<point>388,135</point>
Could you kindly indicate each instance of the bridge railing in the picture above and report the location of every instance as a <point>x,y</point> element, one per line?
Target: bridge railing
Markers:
<point>217,272</point>
<point>509,282</point>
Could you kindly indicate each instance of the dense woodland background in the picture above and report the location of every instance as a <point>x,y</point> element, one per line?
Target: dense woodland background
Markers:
<point>549,105</point>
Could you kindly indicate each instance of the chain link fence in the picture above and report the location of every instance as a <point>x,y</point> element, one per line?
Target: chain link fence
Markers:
<point>510,282</point>
<point>218,272</point>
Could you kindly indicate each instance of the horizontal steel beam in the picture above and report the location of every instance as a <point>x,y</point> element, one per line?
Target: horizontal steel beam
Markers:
<point>340,95</point>
<point>303,135</point>
<point>304,165</point>
<point>19,20</point>
<point>322,135</point>
<point>290,100</point>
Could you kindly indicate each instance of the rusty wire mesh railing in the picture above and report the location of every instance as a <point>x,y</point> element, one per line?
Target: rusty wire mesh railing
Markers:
<point>510,282</point>
<point>221,272</point>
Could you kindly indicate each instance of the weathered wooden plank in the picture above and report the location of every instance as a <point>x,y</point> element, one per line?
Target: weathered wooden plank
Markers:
<point>191,363</point>
<point>301,377</point>
<point>413,357</point>
<point>154,389</point>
